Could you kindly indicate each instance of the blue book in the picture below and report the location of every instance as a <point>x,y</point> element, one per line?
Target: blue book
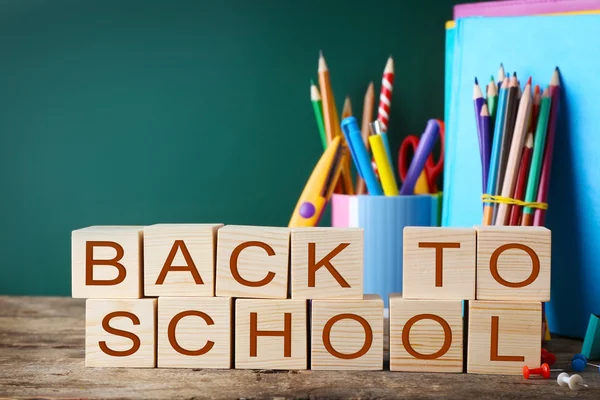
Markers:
<point>534,46</point>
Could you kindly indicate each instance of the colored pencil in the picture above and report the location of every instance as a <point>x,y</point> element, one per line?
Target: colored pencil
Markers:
<point>478,102</point>
<point>492,99</point>
<point>488,209</point>
<point>536,158</point>
<point>512,103</point>
<point>347,109</point>
<point>367,118</point>
<point>515,212</point>
<point>485,124</point>
<point>542,196</point>
<point>501,76</point>
<point>385,98</point>
<point>514,156</point>
<point>315,98</point>
<point>535,108</point>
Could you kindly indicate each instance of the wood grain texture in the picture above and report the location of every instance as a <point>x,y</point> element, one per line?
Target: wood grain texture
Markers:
<point>425,275</point>
<point>426,336</point>
<point>195,333</point>
<point>519,329</point>
<point>129,239</point>
<point>42,346</point>
<point>270,350</point>
<point>346,245</point>
<point>514,265</point>
<point>189,245</point>
<point>347,336</point>
<point>254,263</point>
<point>98,312</point>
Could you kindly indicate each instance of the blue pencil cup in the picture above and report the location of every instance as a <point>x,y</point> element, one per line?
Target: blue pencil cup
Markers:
<point>383,219</point>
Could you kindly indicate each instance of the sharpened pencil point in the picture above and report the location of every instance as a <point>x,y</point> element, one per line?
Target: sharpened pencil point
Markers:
<point>492,78</point>
<point>529,81</point>
<point>476,81</point>
<point>555,81</point>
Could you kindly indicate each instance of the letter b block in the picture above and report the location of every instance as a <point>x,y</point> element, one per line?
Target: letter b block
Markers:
<point>106,262</point>
<point>253,262</point>
<point>347,334</point>
<point>270,334</point>
<point>513,263</point>
<point>426,335</point>
<point>327,263</point>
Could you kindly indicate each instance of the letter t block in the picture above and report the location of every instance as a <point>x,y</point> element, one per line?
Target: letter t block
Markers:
<point>327,263</point>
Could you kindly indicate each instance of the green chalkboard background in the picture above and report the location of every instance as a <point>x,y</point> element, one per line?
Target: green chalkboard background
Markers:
<point>139,112</point>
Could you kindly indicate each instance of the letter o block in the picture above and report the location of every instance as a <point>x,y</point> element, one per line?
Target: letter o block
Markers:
<point>120,333</point>
<point>194,332</point>
<point>426,335</point>
<point>513,263</point>
<point>347,334</point>
<point>252,262</point>
<point>106,262</point>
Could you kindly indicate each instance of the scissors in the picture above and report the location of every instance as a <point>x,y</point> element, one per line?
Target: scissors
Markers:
<point>419,174</point>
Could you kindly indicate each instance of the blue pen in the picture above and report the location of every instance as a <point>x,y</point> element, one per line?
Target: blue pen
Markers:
<point>497,141</point>
<point>360,155</point>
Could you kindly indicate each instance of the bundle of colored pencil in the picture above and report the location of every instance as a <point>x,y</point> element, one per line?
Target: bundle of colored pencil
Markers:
<point>516,129</point>
<point>328,122</point>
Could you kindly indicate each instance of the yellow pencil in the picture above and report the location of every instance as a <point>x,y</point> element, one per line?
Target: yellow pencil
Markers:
<point>388,182</point>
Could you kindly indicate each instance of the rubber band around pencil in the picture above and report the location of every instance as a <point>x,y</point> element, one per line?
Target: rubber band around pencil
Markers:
<point>486,198</point>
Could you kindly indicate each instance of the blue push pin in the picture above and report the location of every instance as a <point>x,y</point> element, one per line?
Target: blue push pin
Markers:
<point>579,362</point>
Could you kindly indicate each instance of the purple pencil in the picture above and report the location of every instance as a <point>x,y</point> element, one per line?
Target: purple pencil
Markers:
<point>485,144</point>
<point>478,102</point>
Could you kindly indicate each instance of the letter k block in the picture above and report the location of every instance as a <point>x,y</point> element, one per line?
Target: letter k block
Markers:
<point>327,263</point>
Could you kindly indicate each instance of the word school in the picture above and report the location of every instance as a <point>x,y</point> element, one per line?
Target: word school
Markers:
<point>214,296</point>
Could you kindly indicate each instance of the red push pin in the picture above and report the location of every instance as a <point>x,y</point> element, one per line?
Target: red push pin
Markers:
<point>548,357</point>
<point>543,371</point>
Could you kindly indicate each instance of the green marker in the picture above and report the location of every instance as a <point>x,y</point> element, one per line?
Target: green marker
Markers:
<point>315,98</point>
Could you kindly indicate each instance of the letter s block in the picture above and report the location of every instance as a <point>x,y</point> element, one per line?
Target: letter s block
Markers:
<point>347,334</point>
<point>253,262</point>
<point>327,263</point>
<point>106,262</point>
<point>513,263</point>
<point>504,336</point>
<point>426,335</point>
<point>120,333</point>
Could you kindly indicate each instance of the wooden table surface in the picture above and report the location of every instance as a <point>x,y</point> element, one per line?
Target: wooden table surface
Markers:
<point>42,356</point>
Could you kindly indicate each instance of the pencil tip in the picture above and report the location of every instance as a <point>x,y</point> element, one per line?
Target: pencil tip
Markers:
<point>476,81</point>
<point>492,78</point>
<point>502,65</point>
<point>529,81</point>
<point>320,53</point>
<point>515,74</point>
<point>312,83</point>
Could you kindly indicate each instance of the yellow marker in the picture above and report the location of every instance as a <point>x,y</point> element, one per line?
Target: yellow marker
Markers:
<point>319,187</point>
<point>388,182</point>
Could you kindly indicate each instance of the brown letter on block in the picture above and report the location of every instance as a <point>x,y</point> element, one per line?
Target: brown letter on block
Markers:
<point>535,271</point>
<point>173,340</point>
<point>119,332</point>
<point>234,259</point>
<point>439,257</point>
<point>437,354</point>
<point>90,262</point>
<point>494,346</point>
<point>286,333</point>
<point>359,353</point>
<point>179,244</point>
<point>325,262</point>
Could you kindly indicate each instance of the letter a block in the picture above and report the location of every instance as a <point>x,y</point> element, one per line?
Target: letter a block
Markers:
<point>106,262</point>
<point>439,263</point>
<point>252,262</point>
<point>120,333</point>
<point>270,334</point>
<point>347,334</point>
<point>327,263</point>
<point>179,259</point>
<point>513,263</point>
<point>426,335</point>
<point>194,332</point>
<point>504,336</point>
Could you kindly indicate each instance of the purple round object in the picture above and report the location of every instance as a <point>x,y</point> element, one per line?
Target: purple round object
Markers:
<point>307,210</point>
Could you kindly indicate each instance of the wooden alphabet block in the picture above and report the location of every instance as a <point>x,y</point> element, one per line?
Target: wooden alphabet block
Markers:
<point>270,334</point>
<point>513,263</point>
<point>426,335</point>
<point>253,262</point>
<point>106,262</point>
<point>195,332</point>
<point>347,334</point>
<point>327,263</point>
<point>179,259</point>
<point>439,263</point>
<point>120,333</point>
<point>504,336</point>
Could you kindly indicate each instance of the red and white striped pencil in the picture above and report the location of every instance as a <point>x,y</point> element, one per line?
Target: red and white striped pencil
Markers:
<point>385,98</point>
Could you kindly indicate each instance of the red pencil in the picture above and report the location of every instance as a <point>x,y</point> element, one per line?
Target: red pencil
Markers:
<point>535,109</point>
<point>539,216</point>
<point>521,184</point>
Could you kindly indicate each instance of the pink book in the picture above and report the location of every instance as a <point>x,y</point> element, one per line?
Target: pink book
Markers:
<point>513,8</point>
